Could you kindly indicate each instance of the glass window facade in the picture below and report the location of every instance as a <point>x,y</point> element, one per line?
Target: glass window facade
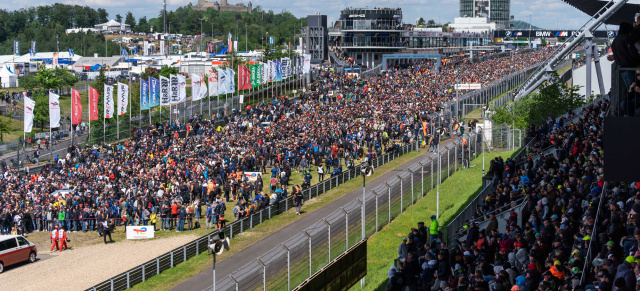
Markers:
<point>498,11</point>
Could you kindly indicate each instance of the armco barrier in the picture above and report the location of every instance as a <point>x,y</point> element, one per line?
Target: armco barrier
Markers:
<point>169,260</point>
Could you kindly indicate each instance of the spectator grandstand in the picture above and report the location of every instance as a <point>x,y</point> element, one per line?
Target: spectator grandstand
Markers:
<point>575,232</point>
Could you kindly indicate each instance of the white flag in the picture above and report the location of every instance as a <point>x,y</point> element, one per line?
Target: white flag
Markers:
<point>123,98</point>
<point>203,87</point>
<point>195,87</point>
<point>306,67</point>
<point>222,82</point>
<point>175,89</point>
<point>265,73</point>
<point>29,105</point>
<point>165,91</point>
<point>108,101</point>
<point>183,88</point>
<point>231,80</point>
<point>54,110</point>
<point>213,83</point>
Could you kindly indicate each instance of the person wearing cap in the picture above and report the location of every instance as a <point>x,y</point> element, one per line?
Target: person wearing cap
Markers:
<point>433,230</point>
<point>625,271</point>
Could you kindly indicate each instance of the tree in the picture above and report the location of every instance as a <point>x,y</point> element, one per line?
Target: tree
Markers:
<point>130,20</point>
<point>103,15</point>
<point>431,22</point>
<point>119,18</point>
<point>167,71</point>
<point>41,111</point>
<point>420,21</point>
<point>47,79</point>
<point>66,78</point>
<point>143,25</point>
<point>4,127</point>
<point>29,82</point>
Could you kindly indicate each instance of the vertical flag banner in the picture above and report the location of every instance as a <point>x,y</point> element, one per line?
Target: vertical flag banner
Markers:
<point>162,52</point>
<point>278,70</point>
<point>71,53</point>
<point>195,87</point>
<point>76,107</point>
<point>29,105</point>
<point>265,73</point>
<point>307,64</point>
<point>244,78</point>
<point>213,83</point>
<point>183,88</point>
<point>108,101</point>
<point>55,58</point>
<point>203,87</point>
<point>175,89</point>
<point>258,74</point>
<point>54,110</point>
<point>230,48</point>
<point>254,74</point>
<point>93,104</point>
<point>165,91</point>
<point>222,82</point>
<point>33,47</point>
<point>286,68</point>
<point>16,47</point>
<point>154,92</point>
<point>231,80</point>
<point>272,71</point>
<point>145,47</point>
<point>144,95</point>
<point>123,98</point>
<point>271,40</point>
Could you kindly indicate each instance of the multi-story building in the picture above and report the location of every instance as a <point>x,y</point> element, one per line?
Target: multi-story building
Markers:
<point>363,35</point>
<point>498,11</point>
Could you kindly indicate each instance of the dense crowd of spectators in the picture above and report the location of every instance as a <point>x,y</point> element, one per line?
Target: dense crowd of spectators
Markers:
<point>168,173</point>
<point>569,236</point>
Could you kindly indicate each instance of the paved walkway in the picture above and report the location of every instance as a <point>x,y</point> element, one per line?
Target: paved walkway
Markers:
<point>203,281</point>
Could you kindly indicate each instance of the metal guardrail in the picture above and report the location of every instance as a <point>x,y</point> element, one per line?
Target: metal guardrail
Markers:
<point>168,260</point>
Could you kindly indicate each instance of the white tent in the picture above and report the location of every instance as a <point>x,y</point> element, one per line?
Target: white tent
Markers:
<point>8,79</point>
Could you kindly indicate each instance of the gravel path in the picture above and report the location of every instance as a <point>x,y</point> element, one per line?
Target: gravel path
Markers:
<point>81,268</point>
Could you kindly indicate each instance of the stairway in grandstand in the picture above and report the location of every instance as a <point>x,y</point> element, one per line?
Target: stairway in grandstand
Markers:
<point>561,52</point>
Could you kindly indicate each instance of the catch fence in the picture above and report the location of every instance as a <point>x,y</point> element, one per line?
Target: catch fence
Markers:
<point>306,253</point>
<point>169,260</point>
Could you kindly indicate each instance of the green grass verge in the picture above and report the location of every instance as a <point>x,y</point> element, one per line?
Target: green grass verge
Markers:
<point>455,193</point>
<point>183,271</point>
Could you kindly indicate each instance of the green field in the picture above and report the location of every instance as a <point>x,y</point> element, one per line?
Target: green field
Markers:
<point>455,193</point>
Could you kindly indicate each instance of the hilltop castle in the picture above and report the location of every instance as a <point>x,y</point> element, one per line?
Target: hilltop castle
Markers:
<point>222,6</point>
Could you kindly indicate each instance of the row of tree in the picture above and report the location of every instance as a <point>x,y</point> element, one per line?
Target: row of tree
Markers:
<point>47,24</point>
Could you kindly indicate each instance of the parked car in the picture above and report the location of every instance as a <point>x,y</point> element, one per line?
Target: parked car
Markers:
<point>110,81</point>
<point>16,249</point>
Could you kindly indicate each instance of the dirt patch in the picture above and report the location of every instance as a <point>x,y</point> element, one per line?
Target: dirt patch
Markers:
<point>83,267</point>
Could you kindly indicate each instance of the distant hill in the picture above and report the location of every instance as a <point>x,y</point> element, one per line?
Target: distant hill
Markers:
<point>518,24</point>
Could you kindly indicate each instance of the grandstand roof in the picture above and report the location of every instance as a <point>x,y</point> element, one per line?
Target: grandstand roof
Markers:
<point>591,7</point>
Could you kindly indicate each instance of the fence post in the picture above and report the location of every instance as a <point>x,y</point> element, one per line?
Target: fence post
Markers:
<point>421,179</point>
<point>143,273</point>
<point>128,281</point>
<point>448,162</point>
<point>455,157</point>
<point>264,274</point>
<point>431,175</point>
<point>288,266</point>
<point>376,195</point>
<point>346,228</point>
<point>230,230</point>
<point>401,195</point>
<point>309,236</point>
<point>111,284</point>
<point>389,201</point>
<point>242,225</point>
<point>157,266</point>
<point>197,247</point>
<point>328,239</point>
<point>234,281</point>
<point>412,197</point>
<point>184,249</point>
<point>171,259</point>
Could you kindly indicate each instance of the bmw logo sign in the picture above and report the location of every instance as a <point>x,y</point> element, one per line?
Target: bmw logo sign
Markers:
<point>611,33</point>
<point>508,33</point>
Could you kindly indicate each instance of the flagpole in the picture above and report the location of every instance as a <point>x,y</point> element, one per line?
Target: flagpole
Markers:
<point>130,103</point>
<point>71,118</point>
<point>104,118</point>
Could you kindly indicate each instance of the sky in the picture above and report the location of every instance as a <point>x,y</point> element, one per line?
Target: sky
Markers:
<point>548,14</point>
